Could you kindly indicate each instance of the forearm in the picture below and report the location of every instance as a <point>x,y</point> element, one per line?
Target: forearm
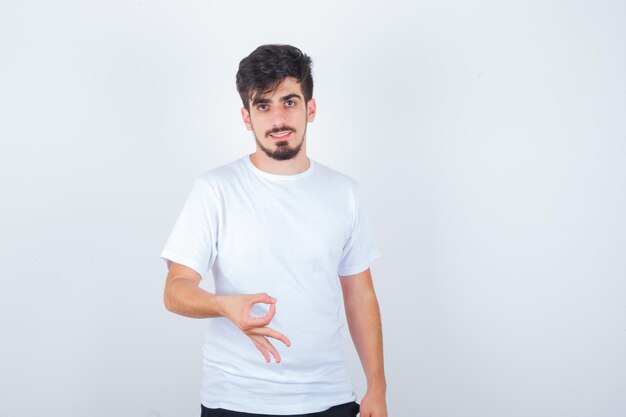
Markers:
<point>186,298</point>
<point>363,316</point>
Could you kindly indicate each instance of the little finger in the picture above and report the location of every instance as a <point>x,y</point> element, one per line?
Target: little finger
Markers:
<point>261,349</point>
<point>268,345</point>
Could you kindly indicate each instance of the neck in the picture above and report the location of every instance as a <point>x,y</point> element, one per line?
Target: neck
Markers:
<point>293,166</point>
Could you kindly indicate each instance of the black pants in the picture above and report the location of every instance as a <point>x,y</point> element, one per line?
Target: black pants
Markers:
<point>350,409</point>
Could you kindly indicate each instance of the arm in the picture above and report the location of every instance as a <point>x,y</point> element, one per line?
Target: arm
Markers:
<point>363,317</point>
<point>184,296</point>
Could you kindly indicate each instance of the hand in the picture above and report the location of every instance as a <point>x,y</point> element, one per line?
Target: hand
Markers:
<point>238,308</point>
<point>373,404</point>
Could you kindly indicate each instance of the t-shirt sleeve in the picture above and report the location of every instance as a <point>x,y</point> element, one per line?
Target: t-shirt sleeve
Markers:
<point>193,240</point>
<point>361,248</point>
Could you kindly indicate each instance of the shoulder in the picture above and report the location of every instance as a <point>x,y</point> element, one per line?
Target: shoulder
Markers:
<point>215,177</point>
<point>336,178</point>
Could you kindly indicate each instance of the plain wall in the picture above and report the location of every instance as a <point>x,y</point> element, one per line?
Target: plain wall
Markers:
<point>489,138</point>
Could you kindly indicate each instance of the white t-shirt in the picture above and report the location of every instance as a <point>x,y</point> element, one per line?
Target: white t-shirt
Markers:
<point>289,236</point>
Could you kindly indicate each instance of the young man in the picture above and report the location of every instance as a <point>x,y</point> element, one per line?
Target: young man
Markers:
<point>285,237</point>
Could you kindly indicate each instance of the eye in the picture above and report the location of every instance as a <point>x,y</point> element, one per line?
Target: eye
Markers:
<point>262,107</point>
<point>290,103</point>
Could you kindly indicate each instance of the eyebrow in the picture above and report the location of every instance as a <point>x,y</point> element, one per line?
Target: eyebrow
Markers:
<point>267,100</point>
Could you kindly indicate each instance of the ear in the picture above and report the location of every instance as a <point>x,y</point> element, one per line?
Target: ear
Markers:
<point>311,110</point>
<point>245,115</point>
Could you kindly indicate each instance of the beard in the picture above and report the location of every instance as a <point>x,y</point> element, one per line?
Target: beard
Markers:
<point>282,151</point>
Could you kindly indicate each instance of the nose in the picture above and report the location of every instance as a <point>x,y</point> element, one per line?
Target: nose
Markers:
<point>279,116</point>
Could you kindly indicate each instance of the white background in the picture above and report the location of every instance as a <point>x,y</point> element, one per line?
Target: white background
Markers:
<point>489,139</point>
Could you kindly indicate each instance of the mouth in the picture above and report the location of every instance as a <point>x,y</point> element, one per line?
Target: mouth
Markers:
<point>282,135</point>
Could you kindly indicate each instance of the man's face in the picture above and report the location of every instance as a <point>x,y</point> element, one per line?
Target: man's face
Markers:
<point>278,120</point>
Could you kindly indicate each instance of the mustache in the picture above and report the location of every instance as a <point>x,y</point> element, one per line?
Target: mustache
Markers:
<point>280,129</point>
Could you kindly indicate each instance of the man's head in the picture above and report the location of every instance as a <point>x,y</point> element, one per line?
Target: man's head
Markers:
<point>268,65</point>
<point>276,88</point>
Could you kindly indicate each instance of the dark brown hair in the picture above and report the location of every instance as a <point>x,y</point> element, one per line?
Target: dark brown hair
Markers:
<point>267,66</point>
